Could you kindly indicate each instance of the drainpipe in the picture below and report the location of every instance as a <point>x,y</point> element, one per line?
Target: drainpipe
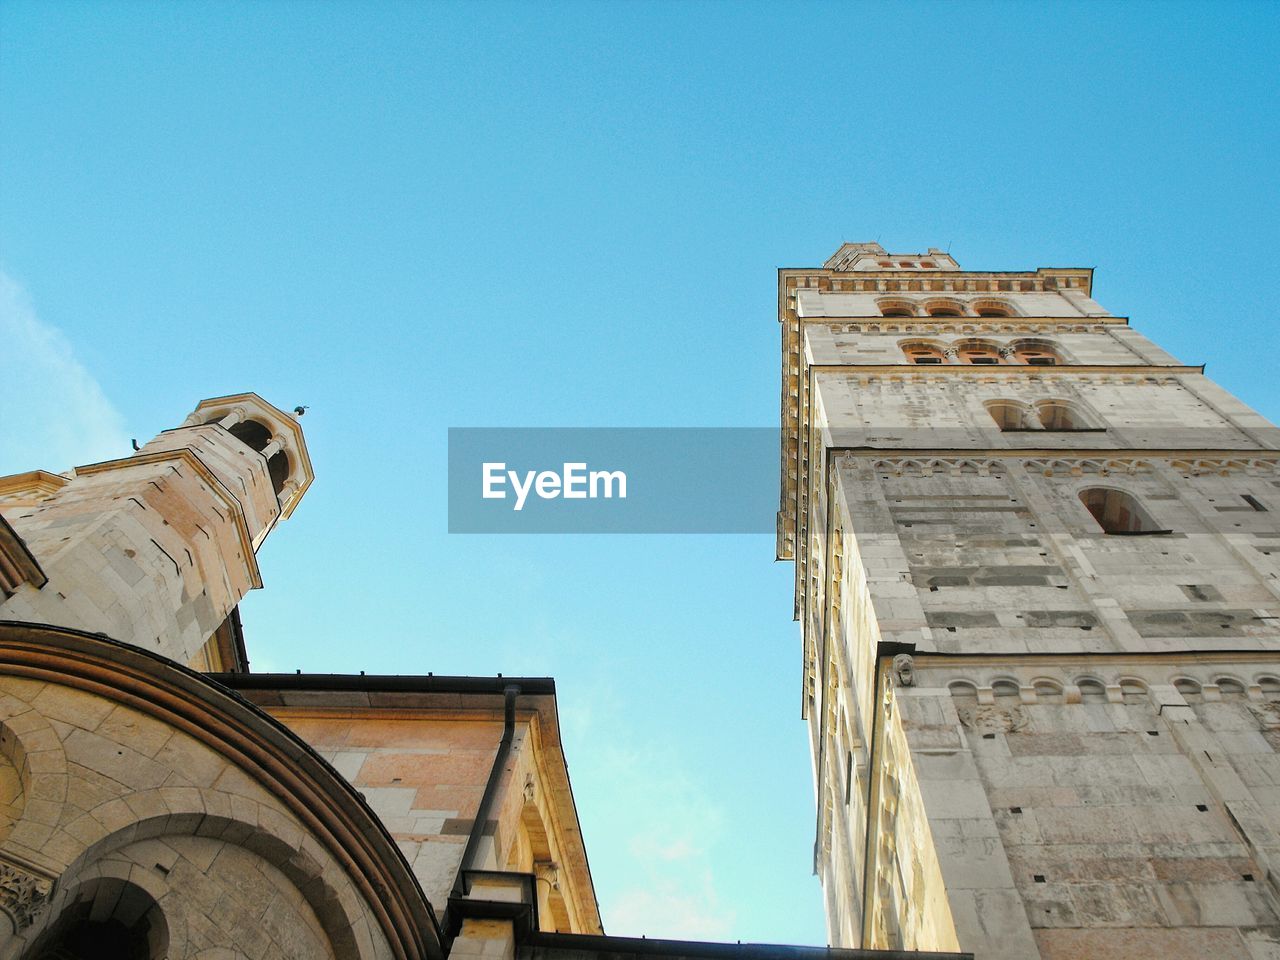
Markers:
<point>491,788</point>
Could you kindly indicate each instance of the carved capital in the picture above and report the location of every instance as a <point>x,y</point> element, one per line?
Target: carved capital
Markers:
<point>23,895</point>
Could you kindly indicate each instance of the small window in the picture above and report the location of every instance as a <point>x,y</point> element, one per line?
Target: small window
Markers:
<point>1230,689</point>
<point>897,308</point>
<point>944,307</point>
<point>1189,689</point>
<point>1036,353</point>
<point>251,433</point>
<point>905,263</point>
<point>992,308</point>
<point>1118,512</point>
<point>1060,415</point>
<point>922,353</point>
<point>1009,415</point>
<point>1253,502</point>
<point>978,352</point>
<point>1006,690</point>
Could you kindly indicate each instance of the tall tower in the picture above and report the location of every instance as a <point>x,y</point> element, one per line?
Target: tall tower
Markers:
<point>1036,569</point>
<point>156,549</point>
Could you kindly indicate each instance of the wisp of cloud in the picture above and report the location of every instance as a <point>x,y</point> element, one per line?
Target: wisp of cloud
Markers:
<point>64,418</point>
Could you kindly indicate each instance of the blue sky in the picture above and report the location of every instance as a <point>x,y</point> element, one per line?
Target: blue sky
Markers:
<point>418,216</point>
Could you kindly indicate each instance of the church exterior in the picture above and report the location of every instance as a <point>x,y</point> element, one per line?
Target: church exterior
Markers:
<point>1036,564</point>
<point>1036,575</point>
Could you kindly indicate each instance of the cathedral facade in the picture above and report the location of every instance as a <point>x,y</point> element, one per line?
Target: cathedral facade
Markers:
<point>1036,564</point>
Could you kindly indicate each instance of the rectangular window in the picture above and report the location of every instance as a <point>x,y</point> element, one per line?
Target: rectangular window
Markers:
<point>1252,501</point>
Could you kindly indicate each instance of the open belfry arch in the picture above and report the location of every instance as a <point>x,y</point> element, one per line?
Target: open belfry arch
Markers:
<point>1036,563</point>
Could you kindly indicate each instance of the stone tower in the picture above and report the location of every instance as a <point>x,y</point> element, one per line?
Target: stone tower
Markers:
<point>159,802</point>
<point>1036,564</point>
<point>156,549</point>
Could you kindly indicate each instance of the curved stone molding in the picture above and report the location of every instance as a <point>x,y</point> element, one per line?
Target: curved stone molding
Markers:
<point>325,817</point>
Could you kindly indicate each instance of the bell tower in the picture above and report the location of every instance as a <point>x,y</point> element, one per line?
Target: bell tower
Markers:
<point>157,549</point>
<point>1038,581</point>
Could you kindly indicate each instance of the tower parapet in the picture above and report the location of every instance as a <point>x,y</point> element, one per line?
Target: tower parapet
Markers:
<point>157,549</point>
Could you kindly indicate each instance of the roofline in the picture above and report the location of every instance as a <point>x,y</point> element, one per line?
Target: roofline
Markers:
<point>649,946</point>
<point>929,273</point>
<point>385,683</point>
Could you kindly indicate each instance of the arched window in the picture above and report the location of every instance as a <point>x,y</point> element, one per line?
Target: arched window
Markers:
<point>920,352</point>
<point>1189,689</point>
<point>256,437</point>
<point>1048,691</point>
<point>1118,512</point>
<point>980,352</point>
<point>278,469</point>
<point>251,433</point>
<point>1011,415</point>
<point>1091,690</point>
<point>1230,689</point>
<point>944,308</point>
<point>1006,689</point>
<point>897,308</point>
<point>993,308</point>
<point>1037,353</point>
<point>1061,415</point>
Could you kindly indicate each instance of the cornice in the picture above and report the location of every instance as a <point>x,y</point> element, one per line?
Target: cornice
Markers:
<point>1008,369</point>
<point>899,281</point>
<point>895,323</point>
<point>40,483</point>
<point>1060,453</point>
<point>329,807</point>
<point>17,563</point>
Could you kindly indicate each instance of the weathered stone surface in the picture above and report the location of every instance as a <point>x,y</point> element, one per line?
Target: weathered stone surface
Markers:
<point>1114,781</point>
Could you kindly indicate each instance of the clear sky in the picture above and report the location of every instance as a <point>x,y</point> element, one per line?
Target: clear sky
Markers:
<point>418,216</point>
